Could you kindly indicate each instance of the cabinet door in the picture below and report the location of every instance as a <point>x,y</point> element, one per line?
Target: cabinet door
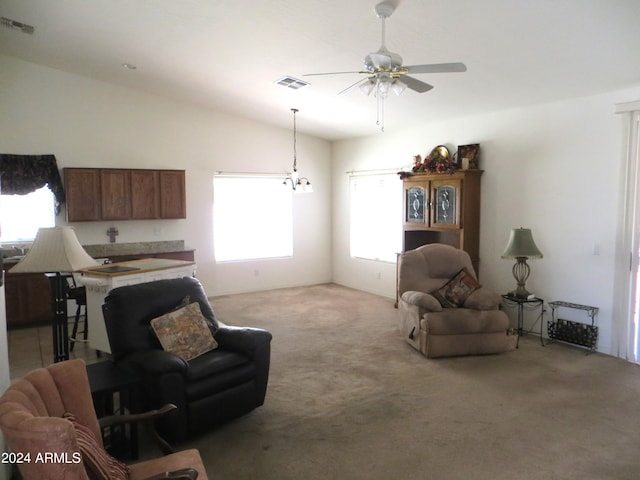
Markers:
<point>82,189</point>
<point>28,299</point>
<point>145,194</point>
<point>416,201</point>
<point>445,203</point>
<point>115,194</point>
<point>172,194</point>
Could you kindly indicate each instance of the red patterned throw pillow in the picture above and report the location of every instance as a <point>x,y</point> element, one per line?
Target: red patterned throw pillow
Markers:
<point>97,462</point>
<point>454,293</point>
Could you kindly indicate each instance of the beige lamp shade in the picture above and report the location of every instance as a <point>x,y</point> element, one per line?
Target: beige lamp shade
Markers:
<point>55,249</point>
<point>521,244</point>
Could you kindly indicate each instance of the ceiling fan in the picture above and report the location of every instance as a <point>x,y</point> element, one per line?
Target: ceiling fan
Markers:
<point>385,71</point>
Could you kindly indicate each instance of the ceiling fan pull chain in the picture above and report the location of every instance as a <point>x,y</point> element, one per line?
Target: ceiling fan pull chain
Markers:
<point>380,112</point>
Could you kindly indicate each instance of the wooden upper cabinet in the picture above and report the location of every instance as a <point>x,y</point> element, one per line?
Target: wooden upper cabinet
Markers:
<point>173,202</point>
<point>145,194</point>
<point>115,194</point>
<point>82,190</point>
<point>124,194</point>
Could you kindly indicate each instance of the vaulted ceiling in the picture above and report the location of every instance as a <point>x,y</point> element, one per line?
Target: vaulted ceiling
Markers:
<point>227,54</point>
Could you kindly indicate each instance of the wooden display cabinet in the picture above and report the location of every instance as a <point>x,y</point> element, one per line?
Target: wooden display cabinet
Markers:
<point>443,208</point>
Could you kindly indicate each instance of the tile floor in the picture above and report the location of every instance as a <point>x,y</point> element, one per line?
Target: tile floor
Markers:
<point>31,348</point>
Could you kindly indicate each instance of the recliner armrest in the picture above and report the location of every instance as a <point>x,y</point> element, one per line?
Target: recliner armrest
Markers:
<point>155,362</point>
<point>483,299</point>
<point>242,339</point>
<point>423,300</point>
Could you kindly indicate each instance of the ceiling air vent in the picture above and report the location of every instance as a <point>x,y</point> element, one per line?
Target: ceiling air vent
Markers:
<point>291,82</point>
<point>15,25</point>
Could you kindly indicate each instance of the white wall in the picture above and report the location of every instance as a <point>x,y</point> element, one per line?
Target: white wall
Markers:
<point>554,168</point>
<point>87,123</point>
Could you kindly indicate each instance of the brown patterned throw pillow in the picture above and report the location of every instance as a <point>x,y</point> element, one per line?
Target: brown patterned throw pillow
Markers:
<point>97,462</point>
<point>184,332</point>
<point>455,291</point>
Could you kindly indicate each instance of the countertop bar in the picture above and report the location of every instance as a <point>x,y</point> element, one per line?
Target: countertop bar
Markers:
<point>135,248</point>
<point>134,267</point>
<point>107,250</point>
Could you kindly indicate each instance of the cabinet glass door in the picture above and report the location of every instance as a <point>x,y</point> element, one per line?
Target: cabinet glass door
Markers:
<point>415,204</point>
<point>445,202</point>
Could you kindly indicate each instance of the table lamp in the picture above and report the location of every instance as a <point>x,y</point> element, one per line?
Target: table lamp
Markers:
<point>521,246</point>
<point>56,251</point>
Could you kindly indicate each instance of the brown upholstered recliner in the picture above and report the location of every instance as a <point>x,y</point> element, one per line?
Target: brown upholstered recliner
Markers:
<point>31,419</point>
<point>476,327</point>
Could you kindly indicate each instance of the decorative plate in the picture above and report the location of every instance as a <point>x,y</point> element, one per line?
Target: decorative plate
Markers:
<point>440,153</point>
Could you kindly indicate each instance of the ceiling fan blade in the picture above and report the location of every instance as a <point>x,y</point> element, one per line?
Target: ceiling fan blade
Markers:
<point>415,84</point>
<point>350,87</point>
<point>327,73</point>
<point>437,68</point>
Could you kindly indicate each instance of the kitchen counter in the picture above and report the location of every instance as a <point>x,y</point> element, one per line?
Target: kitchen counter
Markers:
<point>108,250</point>
<point>99,281</point>
<point>134,266</point>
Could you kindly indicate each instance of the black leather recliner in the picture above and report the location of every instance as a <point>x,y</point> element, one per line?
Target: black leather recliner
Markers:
<point>208,390</point>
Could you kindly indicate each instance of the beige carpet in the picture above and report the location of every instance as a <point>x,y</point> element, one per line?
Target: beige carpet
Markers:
<point>348,399</point>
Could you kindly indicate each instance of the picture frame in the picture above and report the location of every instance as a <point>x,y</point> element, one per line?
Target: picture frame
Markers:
<point>467,157</point>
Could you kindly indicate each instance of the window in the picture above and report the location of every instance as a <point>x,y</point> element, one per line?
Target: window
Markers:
<point>252,218</point>
<point>22,215</point>
<point>376,217</point>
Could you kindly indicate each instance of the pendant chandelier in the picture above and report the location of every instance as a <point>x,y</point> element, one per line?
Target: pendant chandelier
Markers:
<point>298,183</point>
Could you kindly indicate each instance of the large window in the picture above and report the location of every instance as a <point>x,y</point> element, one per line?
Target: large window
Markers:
<point>252,218</point>
<point>376,216</point>
<point>22,215</point>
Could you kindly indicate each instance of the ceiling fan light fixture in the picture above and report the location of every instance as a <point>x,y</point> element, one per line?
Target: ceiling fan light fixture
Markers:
<point>385,69</point>
<point>368,86</point>
<point>383,86</point>
<point>398,87</point>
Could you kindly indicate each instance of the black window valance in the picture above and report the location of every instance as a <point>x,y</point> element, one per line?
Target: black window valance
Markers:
<point>22,174</point>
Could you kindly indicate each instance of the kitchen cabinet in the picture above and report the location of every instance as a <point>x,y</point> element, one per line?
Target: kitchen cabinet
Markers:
<point>145,194</point>
<point>82,190</point>
<point>172,194</point>
<point>28,298</point>
<point>99,194</point>
<point>115,194</point>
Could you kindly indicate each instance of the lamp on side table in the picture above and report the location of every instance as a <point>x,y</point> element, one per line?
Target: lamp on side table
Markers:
<point>521,247</point>
<point>56,251</point>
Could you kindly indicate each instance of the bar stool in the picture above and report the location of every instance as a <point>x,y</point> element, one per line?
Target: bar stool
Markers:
<point>79,295</point>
